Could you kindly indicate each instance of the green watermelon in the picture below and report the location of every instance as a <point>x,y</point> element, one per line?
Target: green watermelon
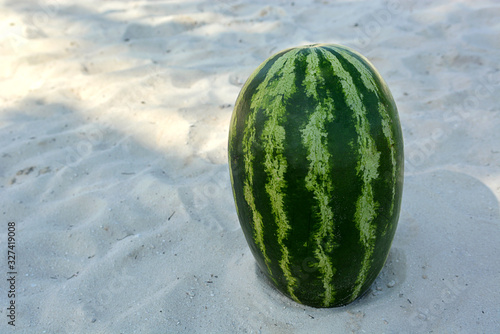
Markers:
<point>316,164</point>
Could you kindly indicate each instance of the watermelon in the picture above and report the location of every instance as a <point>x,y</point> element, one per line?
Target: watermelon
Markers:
<point>316,164</point>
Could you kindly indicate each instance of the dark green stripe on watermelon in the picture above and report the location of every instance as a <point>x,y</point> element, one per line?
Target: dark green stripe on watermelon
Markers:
<point>315,154</point>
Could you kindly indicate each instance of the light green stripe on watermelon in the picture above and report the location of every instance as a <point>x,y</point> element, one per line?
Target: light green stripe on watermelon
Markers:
<point>314,138</point>
<point>387,130</point>
<point>274,93</point>
<point>364,72</point>
<point>368,80</point>
<point>367,169</point>
<point>248,159</point>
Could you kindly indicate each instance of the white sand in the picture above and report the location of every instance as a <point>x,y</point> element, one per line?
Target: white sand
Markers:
<point>114,120</point>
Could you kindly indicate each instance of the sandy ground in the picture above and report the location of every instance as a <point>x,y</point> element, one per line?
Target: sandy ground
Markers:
<point>114,120</point>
